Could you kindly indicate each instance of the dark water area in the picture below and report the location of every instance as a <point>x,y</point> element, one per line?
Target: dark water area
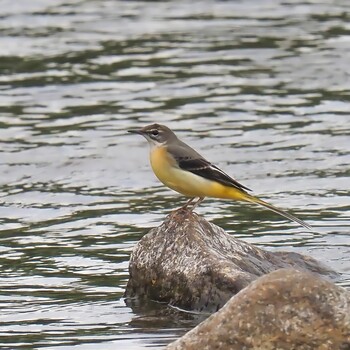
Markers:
<point>261,88</point>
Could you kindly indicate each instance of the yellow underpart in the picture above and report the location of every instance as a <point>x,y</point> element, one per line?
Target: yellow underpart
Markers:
<point>166,169</point>
<point>187,183</point>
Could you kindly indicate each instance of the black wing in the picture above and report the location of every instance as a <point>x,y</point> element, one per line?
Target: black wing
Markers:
<point>203,168</point>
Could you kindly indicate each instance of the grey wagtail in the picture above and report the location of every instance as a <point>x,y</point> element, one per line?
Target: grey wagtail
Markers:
<point>181,168</point>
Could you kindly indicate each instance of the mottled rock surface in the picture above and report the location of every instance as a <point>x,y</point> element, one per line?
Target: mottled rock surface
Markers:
<point>284,310</point>
<point>193,264</point>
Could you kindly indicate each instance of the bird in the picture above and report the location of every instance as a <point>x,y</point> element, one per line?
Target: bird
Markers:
<point>181,168</point>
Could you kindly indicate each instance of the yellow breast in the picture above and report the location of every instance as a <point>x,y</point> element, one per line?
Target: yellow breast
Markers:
<point>189,184</point>
<point>161,163</point>
<point>168,172</point>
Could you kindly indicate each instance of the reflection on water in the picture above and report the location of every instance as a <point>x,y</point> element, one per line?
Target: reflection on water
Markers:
<point>260,88</point>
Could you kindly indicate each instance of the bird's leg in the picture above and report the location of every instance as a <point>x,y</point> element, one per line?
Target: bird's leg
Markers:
<point>189,202</point>
<point>199,201</point>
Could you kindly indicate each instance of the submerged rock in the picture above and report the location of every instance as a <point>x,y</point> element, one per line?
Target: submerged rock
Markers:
<point>193,264</point>
<point>285,310</point>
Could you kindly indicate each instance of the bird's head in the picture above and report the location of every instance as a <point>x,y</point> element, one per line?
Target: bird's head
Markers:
<point>156,134</point>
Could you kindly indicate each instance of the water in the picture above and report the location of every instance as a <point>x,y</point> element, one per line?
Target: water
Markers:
<point>261,88</point>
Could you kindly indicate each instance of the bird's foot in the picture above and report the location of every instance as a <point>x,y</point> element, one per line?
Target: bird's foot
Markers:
<point>191,204</point>
<point>187,204</point>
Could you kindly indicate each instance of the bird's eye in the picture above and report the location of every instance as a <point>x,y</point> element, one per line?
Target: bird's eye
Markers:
<point>155,132</point>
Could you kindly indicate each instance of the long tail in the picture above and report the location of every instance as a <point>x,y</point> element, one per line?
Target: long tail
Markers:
<point>252,199</point>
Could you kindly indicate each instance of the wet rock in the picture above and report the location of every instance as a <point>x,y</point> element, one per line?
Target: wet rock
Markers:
<point>193,264</point>
<point>285,310</point>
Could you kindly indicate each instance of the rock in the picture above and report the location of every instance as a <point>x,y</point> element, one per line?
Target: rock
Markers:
<point>193,264</point>
<point>284,310</point>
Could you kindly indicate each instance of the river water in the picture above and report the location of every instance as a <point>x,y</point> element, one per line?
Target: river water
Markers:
<point>261,88</point>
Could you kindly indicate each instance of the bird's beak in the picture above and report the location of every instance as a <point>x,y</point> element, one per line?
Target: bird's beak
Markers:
<point>140,132</point>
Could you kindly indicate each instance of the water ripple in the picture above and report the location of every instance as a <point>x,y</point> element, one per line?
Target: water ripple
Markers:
<point>261,89</point>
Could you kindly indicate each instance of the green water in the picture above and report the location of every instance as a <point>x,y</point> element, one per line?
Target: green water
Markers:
<point>261,88</point>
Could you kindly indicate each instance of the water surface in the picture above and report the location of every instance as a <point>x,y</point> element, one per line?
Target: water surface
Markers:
<point>259,88</point>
